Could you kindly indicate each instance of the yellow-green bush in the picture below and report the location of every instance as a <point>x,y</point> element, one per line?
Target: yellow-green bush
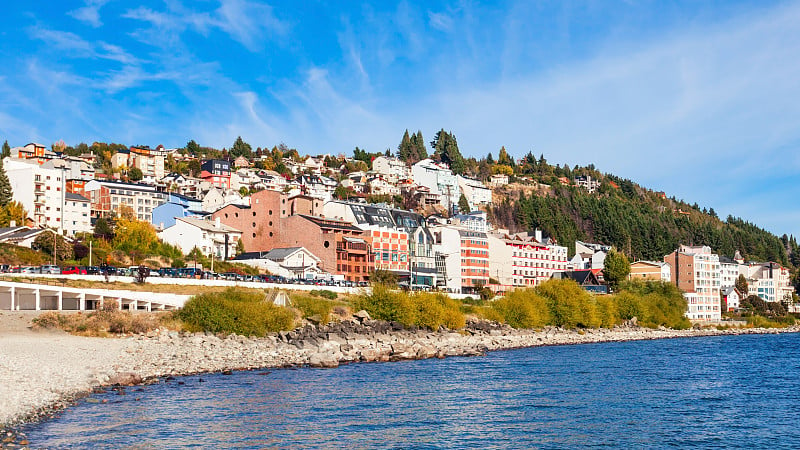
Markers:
<point>310,306</point>
<point>523,308</point>
<point>422,309</point>
<point>235,311</point>
<point>654,304</point>
<point>570,305</point>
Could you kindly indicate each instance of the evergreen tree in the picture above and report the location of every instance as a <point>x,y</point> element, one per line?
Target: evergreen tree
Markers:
<point>489,158</point>
<point>241,148</point>
<point>504,159</point>
<point>463,204</point>
<point>741,285</point>
<point>446,150</point>
<point>6,193</point>
<point>192,148</point>
<point>6,150</point>
<point>405,149</point>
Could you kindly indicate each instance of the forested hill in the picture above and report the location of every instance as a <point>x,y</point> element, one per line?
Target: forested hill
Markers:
<point>642,223</point>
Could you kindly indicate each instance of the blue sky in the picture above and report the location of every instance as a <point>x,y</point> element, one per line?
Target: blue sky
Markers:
<point>699,99</point>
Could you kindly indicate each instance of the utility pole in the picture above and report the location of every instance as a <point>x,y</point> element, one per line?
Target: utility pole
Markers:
<point>90,253</point>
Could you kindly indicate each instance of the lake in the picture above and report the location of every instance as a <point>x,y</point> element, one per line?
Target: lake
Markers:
<point>708,392</point>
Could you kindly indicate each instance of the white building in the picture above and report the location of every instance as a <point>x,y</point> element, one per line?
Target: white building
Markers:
<point>498,180</point>
<point>77,214</point>
<point>40,190</point>
<point>392,168</point>
<point>729,272</point>
<point>475,221</point>
<point>532,261</point>
<point>589,256</point>
<point>770,281</point>
<point>211,238</point>
<point>732,298</point>
<point>477,193</point>
<point>439,179</point>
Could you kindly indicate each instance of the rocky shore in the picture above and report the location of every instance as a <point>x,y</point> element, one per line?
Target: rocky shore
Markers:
<point>44,372</point>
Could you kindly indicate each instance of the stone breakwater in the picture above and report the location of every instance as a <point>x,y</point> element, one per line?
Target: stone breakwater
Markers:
<point>148,357</point>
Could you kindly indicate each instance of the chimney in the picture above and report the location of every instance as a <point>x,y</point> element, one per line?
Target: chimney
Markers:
<point>217,223</point>
<point>538,234</point>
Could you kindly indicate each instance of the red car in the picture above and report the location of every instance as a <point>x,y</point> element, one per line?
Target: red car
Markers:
<point>73,270</point>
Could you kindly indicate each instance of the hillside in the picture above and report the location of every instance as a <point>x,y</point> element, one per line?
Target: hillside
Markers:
<point>642,223</point>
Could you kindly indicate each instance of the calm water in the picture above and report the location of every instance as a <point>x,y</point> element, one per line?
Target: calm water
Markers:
<point>722,392</point>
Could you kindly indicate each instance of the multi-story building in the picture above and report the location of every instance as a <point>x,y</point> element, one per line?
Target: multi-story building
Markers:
<point>77,214</point>
<point>109,196</point>
<point>474,260</point>
<point>696,271</point>
<point>318,186</point>
<point>392,168</point>
<point>589,256</point>
<point>149,161</point>
<point>475,221</point>
<point>650,271</point>
<point>770,281</point>
<point>439,180</point>
<point>729,271</point>
<point>586,182</point>
<point>217,172</point>
<point>176,206</point>
<point>39,189</point>
<point>33,152</point>
<point>524,260</point>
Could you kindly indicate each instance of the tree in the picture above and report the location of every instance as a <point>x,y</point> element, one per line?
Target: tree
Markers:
<point>135,237</point>
<point>503,158</point>
<point>383,277</point>
<point>404,150</point>
<point>80,250</point>
<point>418,150</point>
<point>103,230</point>
<point>463,204</point>
<point>616,267</point>
<point>241,148</point>
<point>6,150</point>
<point>13,212</point>
<point>741,285</point>
<point>44,242</point>
<point>446,151</point>
<point>192,148</point>
<point>135,174</point>
<point>239,246</point>
<point>6,194</point>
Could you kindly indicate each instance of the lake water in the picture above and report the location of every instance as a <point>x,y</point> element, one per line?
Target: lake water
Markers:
<point>711,392</point>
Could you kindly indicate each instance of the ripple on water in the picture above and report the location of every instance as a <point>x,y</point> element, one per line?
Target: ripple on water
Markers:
<point>722,392</point>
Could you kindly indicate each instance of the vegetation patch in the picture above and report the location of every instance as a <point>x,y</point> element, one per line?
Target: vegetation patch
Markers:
<point>106,322</point>
<point>423,309</point>
<point>235,311</point>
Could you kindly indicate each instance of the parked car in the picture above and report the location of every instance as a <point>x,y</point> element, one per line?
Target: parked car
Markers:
<point>93,270</point>
<point>29,269</point>
<point>5,268</point>
<point>74,270</point>
<point>51,269</point>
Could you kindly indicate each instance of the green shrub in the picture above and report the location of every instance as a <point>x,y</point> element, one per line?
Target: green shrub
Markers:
<point>310,306</point>
<point>522,308</point>
<point>570,305</point>
<point>422,309</point>
<point>235,311</point>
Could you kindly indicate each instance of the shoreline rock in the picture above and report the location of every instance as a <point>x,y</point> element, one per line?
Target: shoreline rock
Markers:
<point>147,358</point>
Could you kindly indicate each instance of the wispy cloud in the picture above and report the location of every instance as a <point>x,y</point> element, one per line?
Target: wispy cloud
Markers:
<point>90,13</point>
<point>251,24</point>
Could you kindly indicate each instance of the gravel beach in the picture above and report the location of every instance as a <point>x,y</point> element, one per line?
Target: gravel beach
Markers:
<point>40,371</point>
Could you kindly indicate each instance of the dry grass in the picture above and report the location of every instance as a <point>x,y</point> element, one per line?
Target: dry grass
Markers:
<point>107,322</point>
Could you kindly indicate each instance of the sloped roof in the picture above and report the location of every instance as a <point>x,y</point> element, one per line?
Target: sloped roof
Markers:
<point>208,225</point>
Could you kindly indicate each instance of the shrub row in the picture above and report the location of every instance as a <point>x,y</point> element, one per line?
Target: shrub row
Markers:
<point>235,311</point>
<point>564,303</point>
<point>423,309</point>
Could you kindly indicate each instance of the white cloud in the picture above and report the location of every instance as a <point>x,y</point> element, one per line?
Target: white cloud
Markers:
<point>90,13</point>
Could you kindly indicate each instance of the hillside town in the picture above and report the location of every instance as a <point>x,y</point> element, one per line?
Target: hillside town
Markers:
<point>331,217</point>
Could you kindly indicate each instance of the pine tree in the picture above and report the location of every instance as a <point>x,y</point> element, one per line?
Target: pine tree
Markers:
<point>418,150</point>
<point>463,204</point>
<point>503,158</point>
<point>489,158</point>
<point>6,193</point>
<point>446,150</point>
<point>241,148</point>
<point>405,150</point>
<point>6,150</point>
